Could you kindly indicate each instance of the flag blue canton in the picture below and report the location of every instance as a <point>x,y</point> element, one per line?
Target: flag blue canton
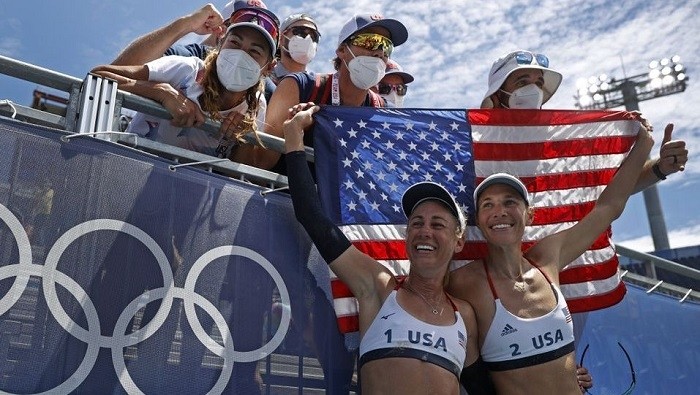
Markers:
<point>374,155</point>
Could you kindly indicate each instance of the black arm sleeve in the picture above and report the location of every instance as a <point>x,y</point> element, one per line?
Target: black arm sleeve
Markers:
<point>476,379</point>
<point>328,238</point>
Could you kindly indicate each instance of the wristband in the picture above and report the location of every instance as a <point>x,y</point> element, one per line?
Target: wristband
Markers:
<point>657,171</point>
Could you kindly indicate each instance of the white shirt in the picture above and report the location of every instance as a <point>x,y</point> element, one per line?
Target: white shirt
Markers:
<point>181,73</point>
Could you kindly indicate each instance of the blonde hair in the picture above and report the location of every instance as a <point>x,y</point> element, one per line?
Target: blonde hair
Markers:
<point>210,98</point>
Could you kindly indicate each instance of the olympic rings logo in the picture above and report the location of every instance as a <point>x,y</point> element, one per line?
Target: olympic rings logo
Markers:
<point>92,336</point>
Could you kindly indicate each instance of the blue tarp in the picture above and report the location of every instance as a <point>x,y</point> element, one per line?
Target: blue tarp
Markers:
<point>659,333</point>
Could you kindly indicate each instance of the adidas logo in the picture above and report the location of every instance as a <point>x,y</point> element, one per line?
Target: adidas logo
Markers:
<point>507,330</point>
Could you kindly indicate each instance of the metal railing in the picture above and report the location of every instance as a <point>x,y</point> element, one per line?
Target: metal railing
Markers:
<point>72,85</point>
<point>652,282</point>
<point>660,286</point>
<point>659,262</point>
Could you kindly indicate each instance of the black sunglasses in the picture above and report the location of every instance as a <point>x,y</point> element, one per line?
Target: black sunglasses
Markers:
<point>629,360</point>
<point>303,31</point>
<point>385,89</point>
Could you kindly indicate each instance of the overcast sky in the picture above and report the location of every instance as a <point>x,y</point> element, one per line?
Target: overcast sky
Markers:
<point>450,49</point>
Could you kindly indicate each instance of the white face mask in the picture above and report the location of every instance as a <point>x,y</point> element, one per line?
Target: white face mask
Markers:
<point>302,49</point>
<point>237,70</point>
<point>393,99</point>
<point>366,71</point>
<point>528,97</point>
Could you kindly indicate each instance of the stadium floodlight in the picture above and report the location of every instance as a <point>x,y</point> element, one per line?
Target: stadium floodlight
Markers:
<point>665,77</point>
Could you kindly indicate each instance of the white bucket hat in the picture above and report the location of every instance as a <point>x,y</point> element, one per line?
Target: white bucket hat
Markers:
<point>507,64</point>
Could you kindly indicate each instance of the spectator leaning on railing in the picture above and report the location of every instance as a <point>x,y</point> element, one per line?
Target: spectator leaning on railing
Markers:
<point>227,86</point>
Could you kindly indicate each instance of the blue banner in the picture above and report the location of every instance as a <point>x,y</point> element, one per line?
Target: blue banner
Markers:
<point>653,335</point>
<point>121,275</point>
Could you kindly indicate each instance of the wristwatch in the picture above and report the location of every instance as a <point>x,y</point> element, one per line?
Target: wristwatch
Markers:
<point>657,171</point>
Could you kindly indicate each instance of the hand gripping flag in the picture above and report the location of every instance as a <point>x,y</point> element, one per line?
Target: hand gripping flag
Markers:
<point>365,159</point>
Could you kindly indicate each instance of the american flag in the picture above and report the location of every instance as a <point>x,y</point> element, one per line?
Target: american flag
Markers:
<point>462,339</point>
<point>365,159</point>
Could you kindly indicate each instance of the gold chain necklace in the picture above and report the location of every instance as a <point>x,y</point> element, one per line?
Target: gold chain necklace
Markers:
<point>433,308</point>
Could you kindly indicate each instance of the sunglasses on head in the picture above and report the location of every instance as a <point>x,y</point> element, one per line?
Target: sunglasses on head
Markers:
<point>385,89</point>
<point>524,57</point>
<point>372,42</point>
<point>247,15</point>
<point>629,361</point>
<point>303,31</point>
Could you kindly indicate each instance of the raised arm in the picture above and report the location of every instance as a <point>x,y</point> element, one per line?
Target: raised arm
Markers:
<point>563,247</point>
<point>673,156</point>
<point>206,20</point>
<point>356,269</point>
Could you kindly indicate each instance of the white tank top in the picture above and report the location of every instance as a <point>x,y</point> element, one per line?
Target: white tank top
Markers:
<point>395,333</point>
<point>513,342</point>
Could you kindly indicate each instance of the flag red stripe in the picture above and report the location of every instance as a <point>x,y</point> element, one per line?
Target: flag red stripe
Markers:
<point>565,181</point>
<point>598,271</point>
<point>383,249</point>
<point>553,149</point>
<point>348,324</point>
<point>597,301</point>
<point>509,117</point>
<point>339,289</point>
<point>568,213</point>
